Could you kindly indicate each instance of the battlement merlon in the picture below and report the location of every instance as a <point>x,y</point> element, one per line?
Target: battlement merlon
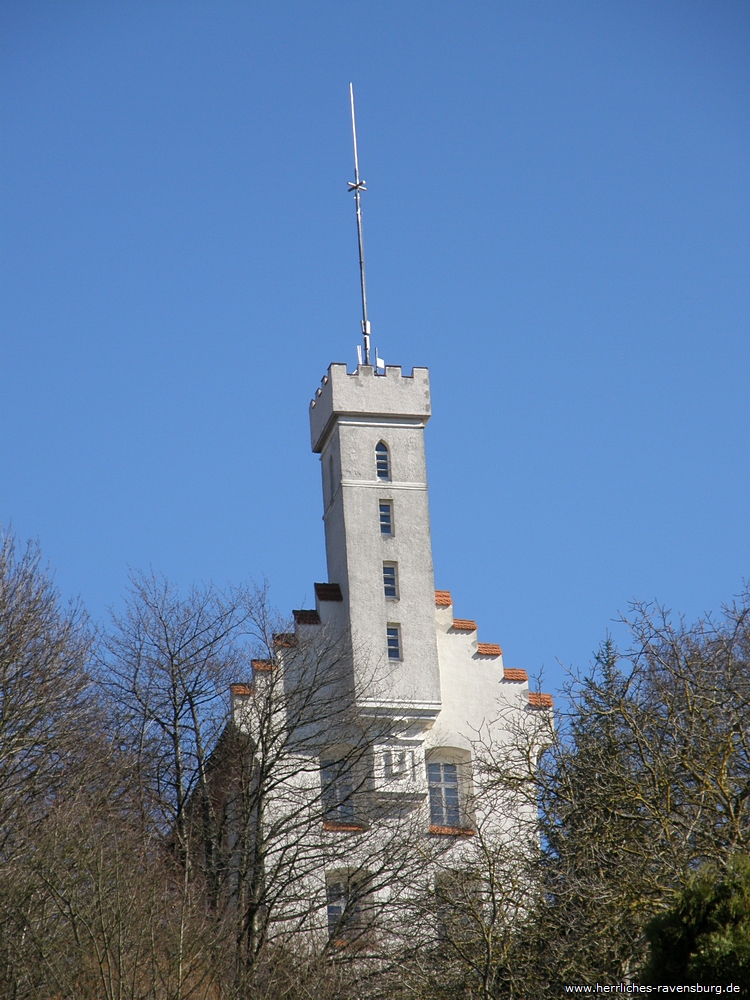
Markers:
<point>392,395</point>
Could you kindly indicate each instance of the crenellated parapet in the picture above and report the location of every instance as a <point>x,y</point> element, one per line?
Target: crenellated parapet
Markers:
<point>390,396</point>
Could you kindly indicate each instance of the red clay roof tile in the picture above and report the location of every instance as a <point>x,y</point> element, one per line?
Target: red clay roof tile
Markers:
<point>538,700</point>
<point>464,625</point>
<point>306,617</point>
<point>240,690</point>
<point>453,831</point>
<point>285,639</point>
<point>264,666</point>
<point>489,649</point>
<point>443,598</point>
<point>514,674</point>
<point>328,592</point>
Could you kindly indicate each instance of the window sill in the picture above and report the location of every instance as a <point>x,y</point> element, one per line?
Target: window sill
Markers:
<point>453,831</point>
<point>356,943</point>
<point>338,827</point>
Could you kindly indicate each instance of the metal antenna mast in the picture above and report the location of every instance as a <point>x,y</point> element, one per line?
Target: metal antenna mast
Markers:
<point>358,186</point>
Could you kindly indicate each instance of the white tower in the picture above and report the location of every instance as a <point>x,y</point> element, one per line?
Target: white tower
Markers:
<point>369,432</point>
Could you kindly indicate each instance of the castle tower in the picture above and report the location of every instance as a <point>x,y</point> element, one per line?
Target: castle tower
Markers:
<point>369,432</point>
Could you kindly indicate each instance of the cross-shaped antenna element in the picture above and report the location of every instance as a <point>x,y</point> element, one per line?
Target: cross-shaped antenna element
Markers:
<point>358,186</point>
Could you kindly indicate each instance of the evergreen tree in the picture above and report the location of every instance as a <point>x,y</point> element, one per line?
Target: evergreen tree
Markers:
<point>705,936</point>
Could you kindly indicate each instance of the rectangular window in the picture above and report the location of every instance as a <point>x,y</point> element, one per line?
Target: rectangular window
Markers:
<point>393,634</point>
<point>442,780</point>
<point>348,896</point>
<point>336,892</point>
<point>386,517</point>
<point>390,581</point>
<point>459,906</point>
<point>338,791</point>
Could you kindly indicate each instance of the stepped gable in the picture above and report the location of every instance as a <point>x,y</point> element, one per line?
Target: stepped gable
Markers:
<point>539,700</point>
<point>285,640</point>
<point>443,599</point>
<point>328,592</point>
<point>305,617</point>
<point>514,674</point>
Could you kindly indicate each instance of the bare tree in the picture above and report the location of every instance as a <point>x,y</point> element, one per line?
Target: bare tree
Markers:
<point>256,805</point>
<point>644,779</point>
<point>44,651</point>
<point>45,709</point>
<point>167,662</point>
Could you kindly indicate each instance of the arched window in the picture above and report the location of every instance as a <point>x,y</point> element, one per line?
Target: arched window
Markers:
<point>382,461</point>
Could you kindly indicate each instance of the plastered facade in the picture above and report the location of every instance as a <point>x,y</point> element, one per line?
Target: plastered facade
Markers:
<point>431,702</point>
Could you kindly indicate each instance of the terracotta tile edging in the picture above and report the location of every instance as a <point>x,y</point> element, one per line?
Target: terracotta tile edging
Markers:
<point>286,640</point>
<point>453,831</point>
<point>334,827</point>
<point>539,700</point>
<point>264,666</point>
<point>489,649</point>
<point>306,616</point>
<point>241,690</point>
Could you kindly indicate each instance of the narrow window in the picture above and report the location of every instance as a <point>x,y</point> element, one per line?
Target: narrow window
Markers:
<point>386,517</point>
<point>459,906</point>
<point>331,480</point>
<point>336,892</point>
<point>348,899</point>
<point>393,634</point>
<point>338,791</point>
<point>390,580</point>
<point>442,780</point>
<point>382,463</point>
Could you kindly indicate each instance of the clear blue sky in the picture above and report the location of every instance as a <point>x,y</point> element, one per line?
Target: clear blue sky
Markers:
<point>557,225</point>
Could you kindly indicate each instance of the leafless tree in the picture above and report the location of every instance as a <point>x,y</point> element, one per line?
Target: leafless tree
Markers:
<point>44,684</point>
<point>45,707</point>
<point>256,804</point>
<point>160,839</point>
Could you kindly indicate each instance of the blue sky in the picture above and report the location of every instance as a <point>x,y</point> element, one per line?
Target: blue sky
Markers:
<point>556,224</point>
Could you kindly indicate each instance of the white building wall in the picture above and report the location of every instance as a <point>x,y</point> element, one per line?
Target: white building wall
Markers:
<point>432,703</point>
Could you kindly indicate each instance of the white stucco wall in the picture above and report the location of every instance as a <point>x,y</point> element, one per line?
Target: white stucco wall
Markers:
<point>352,414</point>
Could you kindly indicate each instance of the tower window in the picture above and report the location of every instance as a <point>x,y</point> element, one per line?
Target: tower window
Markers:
<point>393,635</point>
<point>382,461</point>
<point>390,580</point>
<point>442,780</point>
<point>386,517</point>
